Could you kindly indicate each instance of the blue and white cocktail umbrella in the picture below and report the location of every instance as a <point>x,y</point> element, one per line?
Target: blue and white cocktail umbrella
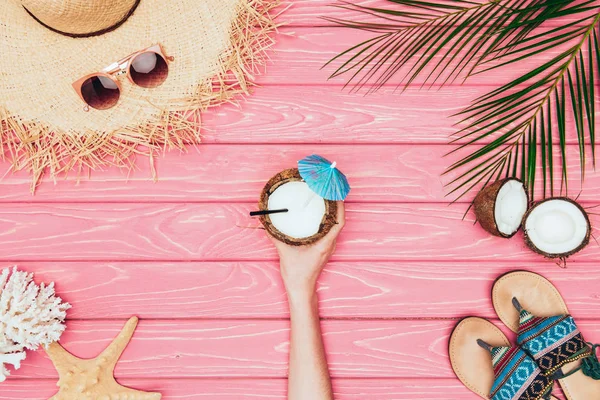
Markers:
<point>323,178</point>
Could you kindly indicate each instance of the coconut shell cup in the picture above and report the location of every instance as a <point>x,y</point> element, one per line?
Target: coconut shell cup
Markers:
<point>290,175</point>
<point>532,246</point>
<point>484,207</point>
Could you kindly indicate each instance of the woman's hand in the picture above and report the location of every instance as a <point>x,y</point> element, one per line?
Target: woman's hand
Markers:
<point>302,265</point>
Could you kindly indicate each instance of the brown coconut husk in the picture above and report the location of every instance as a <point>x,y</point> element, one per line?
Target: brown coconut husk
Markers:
<point>484,205</point>
<point>290,175</point>
<point>532,246</point>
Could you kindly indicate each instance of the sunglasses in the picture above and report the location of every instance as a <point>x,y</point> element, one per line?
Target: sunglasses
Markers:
<point>147,68</point>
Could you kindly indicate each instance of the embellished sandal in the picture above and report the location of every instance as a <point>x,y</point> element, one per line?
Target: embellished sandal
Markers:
<point>532,307</point>
<point>486,363</point>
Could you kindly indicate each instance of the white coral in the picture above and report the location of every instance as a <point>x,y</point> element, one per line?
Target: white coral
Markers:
<point>30,316</point>
<point>12,358</point>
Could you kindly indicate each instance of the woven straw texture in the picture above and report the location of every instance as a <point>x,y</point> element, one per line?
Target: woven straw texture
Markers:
<point>80,16</point>
<point>217,46</point>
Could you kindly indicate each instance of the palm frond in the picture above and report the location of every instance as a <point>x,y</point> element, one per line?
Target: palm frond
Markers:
<point>524,112</point>
<point>517,128</point>
<point>438,41</point>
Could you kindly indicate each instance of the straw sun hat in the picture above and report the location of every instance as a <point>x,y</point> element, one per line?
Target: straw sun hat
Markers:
<point>47,45</point>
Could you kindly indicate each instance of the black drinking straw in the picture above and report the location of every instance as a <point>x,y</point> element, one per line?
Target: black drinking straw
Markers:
<point>266,212</point>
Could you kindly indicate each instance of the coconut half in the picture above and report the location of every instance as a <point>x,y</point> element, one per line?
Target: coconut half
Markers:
<point>309,218</point>
<point>556,227</point>
<point>500,207</point>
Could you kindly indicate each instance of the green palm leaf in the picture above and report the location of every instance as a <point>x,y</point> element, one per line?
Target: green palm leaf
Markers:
<point>515,127</point>
<point>524,111</point>
<point>441,40</point>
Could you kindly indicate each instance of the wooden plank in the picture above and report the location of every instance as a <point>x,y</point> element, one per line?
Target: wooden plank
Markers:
<point>316,114</point>
<point>238,173</point>
<point>104,290</point>
<point>378,173</point>
<point>300,55</point>
<point>252,389</point>
<point>313,114</point>
<point>310,12</point>
<point>239,348</point>
<point>205,232</point>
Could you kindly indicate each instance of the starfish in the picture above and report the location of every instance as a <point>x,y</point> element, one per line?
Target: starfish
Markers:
<point>93,379</point>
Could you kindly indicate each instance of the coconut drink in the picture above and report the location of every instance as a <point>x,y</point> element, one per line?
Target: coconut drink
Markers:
<point>309,216</point>
<point>298,206</point>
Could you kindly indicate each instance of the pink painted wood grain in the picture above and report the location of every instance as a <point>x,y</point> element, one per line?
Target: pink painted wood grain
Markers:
<point>310,12</point>
<point>315,114</point>
<point>261,389</point>
<point>300,56</point>
<point>253,290</point>
<point>204,232</point>
<point>183,254</point>
<point>217,173</point>
<point>259,348</point>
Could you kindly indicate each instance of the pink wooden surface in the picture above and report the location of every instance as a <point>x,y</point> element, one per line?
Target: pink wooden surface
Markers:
<point>396,174</point>
<point>193,348</point>
<point>252,290</point>
<point>183,255</point>
<point>261,389</point>
<point>224,232</point>
<point>301,53</point>
<point>310,12</point>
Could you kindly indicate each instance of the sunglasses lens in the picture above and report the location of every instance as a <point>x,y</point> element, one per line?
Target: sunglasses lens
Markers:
<point>149,69</point>
<point>100,92</point>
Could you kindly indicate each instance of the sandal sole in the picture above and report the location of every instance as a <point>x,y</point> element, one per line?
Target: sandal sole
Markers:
<point>472,364</point>
<point>539,296</point>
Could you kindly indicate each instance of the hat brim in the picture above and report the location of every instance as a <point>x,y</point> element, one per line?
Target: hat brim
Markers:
<point>216,46</point>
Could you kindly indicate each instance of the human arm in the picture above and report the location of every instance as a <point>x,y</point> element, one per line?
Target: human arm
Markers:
<point>301,267</point>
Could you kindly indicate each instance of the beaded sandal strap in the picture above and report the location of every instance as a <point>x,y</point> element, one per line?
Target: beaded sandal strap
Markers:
<point>554,342</point>
<point>516,375</point>
<point>590,366</point>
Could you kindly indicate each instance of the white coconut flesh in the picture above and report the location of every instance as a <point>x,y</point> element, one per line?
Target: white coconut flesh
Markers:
<point>510,206</point>
<point>305,210</point>
<point>556,226</point>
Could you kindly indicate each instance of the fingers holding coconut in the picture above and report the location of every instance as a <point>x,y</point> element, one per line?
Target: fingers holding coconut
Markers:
<point>340,222</point>
<point>500,207</point>
<point>305,235</point>
<point>301,266</point>
<point>309,217</point>
<point>331,236</point>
